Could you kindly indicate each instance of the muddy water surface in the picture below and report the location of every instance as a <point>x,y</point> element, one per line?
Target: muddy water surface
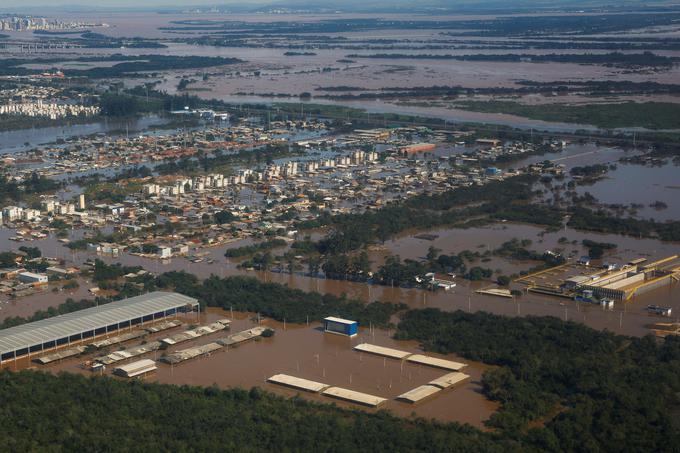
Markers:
<point>306,352</point>
<point>630,318</point>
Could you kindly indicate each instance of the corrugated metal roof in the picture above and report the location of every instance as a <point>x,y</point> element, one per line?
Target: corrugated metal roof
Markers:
<point>58,327</point>
<point>449,380</point>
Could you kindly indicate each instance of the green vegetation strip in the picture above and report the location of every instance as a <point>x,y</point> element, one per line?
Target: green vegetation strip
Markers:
<point>252,249</point>
<point>609,59</point>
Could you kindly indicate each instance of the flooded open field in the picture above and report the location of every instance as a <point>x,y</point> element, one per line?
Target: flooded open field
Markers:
<point>642,185</point>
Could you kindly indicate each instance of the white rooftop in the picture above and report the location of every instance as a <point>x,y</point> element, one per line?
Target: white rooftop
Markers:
<point>449,380</point>
<point>435,362</point>
<point>298,383</point>
<point>381,350</point>
<point>339,320</point>
<point>419,393</point>
<point>355,397</point>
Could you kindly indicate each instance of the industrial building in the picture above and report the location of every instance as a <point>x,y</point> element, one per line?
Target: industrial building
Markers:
<point>206,349</point>
<point>52,333</point>
<point>382,351</point>
<point>573,280</point>
<point>436,362</point>
<point>449,380</point>
<point>340,326</point>
<point>417,148</point>
<point>136,369</point>
<point>32,277</point>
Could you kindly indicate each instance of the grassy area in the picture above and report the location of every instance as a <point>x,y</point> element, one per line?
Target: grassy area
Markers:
<point>108,192</point>
<point>650,115</point>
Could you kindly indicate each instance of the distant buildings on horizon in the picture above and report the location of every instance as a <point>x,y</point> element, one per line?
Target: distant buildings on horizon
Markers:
<point>31,23</point>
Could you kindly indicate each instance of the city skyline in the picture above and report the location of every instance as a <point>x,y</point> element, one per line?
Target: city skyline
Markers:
<point>382,5</point>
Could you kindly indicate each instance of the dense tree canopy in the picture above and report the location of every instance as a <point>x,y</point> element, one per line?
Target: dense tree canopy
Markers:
<point>564,386</point>
<point>41,412</point>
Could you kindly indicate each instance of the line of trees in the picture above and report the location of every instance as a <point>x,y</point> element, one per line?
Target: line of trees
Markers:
<point>599,220</point>
<point>275,300</point>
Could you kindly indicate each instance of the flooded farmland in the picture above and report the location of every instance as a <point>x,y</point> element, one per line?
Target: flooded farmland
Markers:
<point>268,71</point>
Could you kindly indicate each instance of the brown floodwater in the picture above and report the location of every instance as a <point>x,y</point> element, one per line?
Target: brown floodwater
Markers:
<point>305,351</point>
<point>630,318</point>
<point>27,306</point>
<point>642,185</point>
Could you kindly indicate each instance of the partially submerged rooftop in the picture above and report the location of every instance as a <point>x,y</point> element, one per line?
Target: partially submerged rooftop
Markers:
<point>353,396</point>
<point>382,351</point>
<point>419,393</point>
<point>297,383</point>
<point>90,322</point>
<point>435,362</point>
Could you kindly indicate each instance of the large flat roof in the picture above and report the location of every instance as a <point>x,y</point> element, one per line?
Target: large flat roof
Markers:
<point>58,327</point>
<point>449,380</point>
<point>340,320</point>
<point>354,397</point>
<point>435,362</point>
<point>381,350</point>
<point>419,393</point>
<point>298,383</point>
<point>136,368</point>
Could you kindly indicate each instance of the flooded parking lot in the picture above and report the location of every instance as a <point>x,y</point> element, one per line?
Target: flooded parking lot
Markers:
<point>306,351</point>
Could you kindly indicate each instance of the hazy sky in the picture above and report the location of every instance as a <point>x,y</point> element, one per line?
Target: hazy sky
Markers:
<point>4,4</point>
<point>52,5</point>
<point>122,3</point>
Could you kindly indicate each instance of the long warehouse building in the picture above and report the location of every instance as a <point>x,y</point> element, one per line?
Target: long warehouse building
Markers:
<point>51,333</point>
